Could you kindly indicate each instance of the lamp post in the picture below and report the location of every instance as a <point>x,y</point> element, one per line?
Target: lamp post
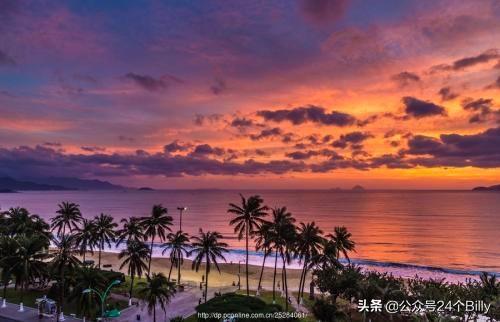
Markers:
<point>181,209</point>
<point>102,296</point>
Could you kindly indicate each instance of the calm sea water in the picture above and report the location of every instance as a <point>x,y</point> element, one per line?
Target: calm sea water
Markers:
<point>404,231</point>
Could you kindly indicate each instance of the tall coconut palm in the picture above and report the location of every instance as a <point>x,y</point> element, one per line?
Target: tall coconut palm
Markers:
<point>28,262</point>
<point>157,224</point>
<point>135,256</point>
<point>178,245</point>
<point>263,243</point>
<point>85,238</point>
<point>19,221</point>
<point>64,261</point>
<point>206,246</point>
<point>131,230</point>
<point>281,223</point>
<point>104,232</point>
<point>309,245</point>
<point>289,236</point>
<point>343,242</point>
<point>68,217</point>
<point>157,290</point>
<point>248,217</point>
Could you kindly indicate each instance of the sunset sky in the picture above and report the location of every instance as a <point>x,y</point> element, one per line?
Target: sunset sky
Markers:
<point>252,94</point>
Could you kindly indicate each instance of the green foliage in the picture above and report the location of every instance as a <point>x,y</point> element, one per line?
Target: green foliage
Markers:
<point>326,311</point>
<point>236,303</point>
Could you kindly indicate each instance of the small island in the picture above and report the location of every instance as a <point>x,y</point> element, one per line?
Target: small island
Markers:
<point>358,188</point>
<point>490,188</point>
<point>145,189</point>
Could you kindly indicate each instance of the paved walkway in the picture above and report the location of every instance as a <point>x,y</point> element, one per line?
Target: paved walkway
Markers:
<point>182,304</point>
<point>10,313</point>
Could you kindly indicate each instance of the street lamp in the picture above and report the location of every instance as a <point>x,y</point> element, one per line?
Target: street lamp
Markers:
<point>102,296</point>
<point>181,209</point>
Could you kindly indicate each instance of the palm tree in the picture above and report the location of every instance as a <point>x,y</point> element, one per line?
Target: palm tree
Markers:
<point>64,261</point>
<point>309,245</point>
<point>69,216</point>
<point>19,221</point>
<point>281,224</point>
<point>132,230</point>
<point>135,256</point>
<point>207,246</point>
<point>263,243</point>
<point>156,225</point>
<point>157,290</point>
<point>87,278</point>
<point>8,247</point>
<point>248,218</point>
<point>104,232</point>
<point>27,262</point>
<point>178,244</point>
<point>343,242</point>
<point>289,237</point>
<point>85,238</point>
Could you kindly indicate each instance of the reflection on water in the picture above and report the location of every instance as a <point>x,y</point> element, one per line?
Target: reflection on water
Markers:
<point>457,230</point>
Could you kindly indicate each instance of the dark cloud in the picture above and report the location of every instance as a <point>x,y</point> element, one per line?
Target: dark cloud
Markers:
<point>466,62</point>
<point>42,161</point>
<point>218,86</point>
<point>125,138</point>
<point>93,148</point>
<point>206,149</point>
<point>267,133</point>
<point>300,155</point>
<point>200,119</point>
<point>6,60</point>
<point>368,120</point>
<point>474,60</point>
<point>175,146</point>
<point>310,113</point>
<point>323,11</point>
<point>418,108</point>
<point>455,150</point>
<point>353,139</point>
<point>241,122</point>
<point>482,109</point>
<point>152,84</point>
<point>447,94</point>
<point>404,79</point>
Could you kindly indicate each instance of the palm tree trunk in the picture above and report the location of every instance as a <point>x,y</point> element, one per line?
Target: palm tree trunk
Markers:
<point>246,262</point>
<point>274,276</point>
<point>100,251</point>
<point>262,270</point>
<point>150,254</point>
<point>300,281</point>
<point>178,271</point>
<point>170,271</point>
<point>285,285</point>
<point>154,313</point>
<point>206,279</point>
<point>84,253</point>
<point>303,283</point>
<point>131,285</point>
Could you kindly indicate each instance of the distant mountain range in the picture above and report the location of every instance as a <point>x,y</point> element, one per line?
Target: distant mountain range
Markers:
<point>490,188</point>
<point>8,184</point>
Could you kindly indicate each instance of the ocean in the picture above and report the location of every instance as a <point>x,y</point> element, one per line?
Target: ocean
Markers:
<point>451,234</point>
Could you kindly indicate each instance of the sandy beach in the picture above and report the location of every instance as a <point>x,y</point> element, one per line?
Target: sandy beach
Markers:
<point>228,272</point>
